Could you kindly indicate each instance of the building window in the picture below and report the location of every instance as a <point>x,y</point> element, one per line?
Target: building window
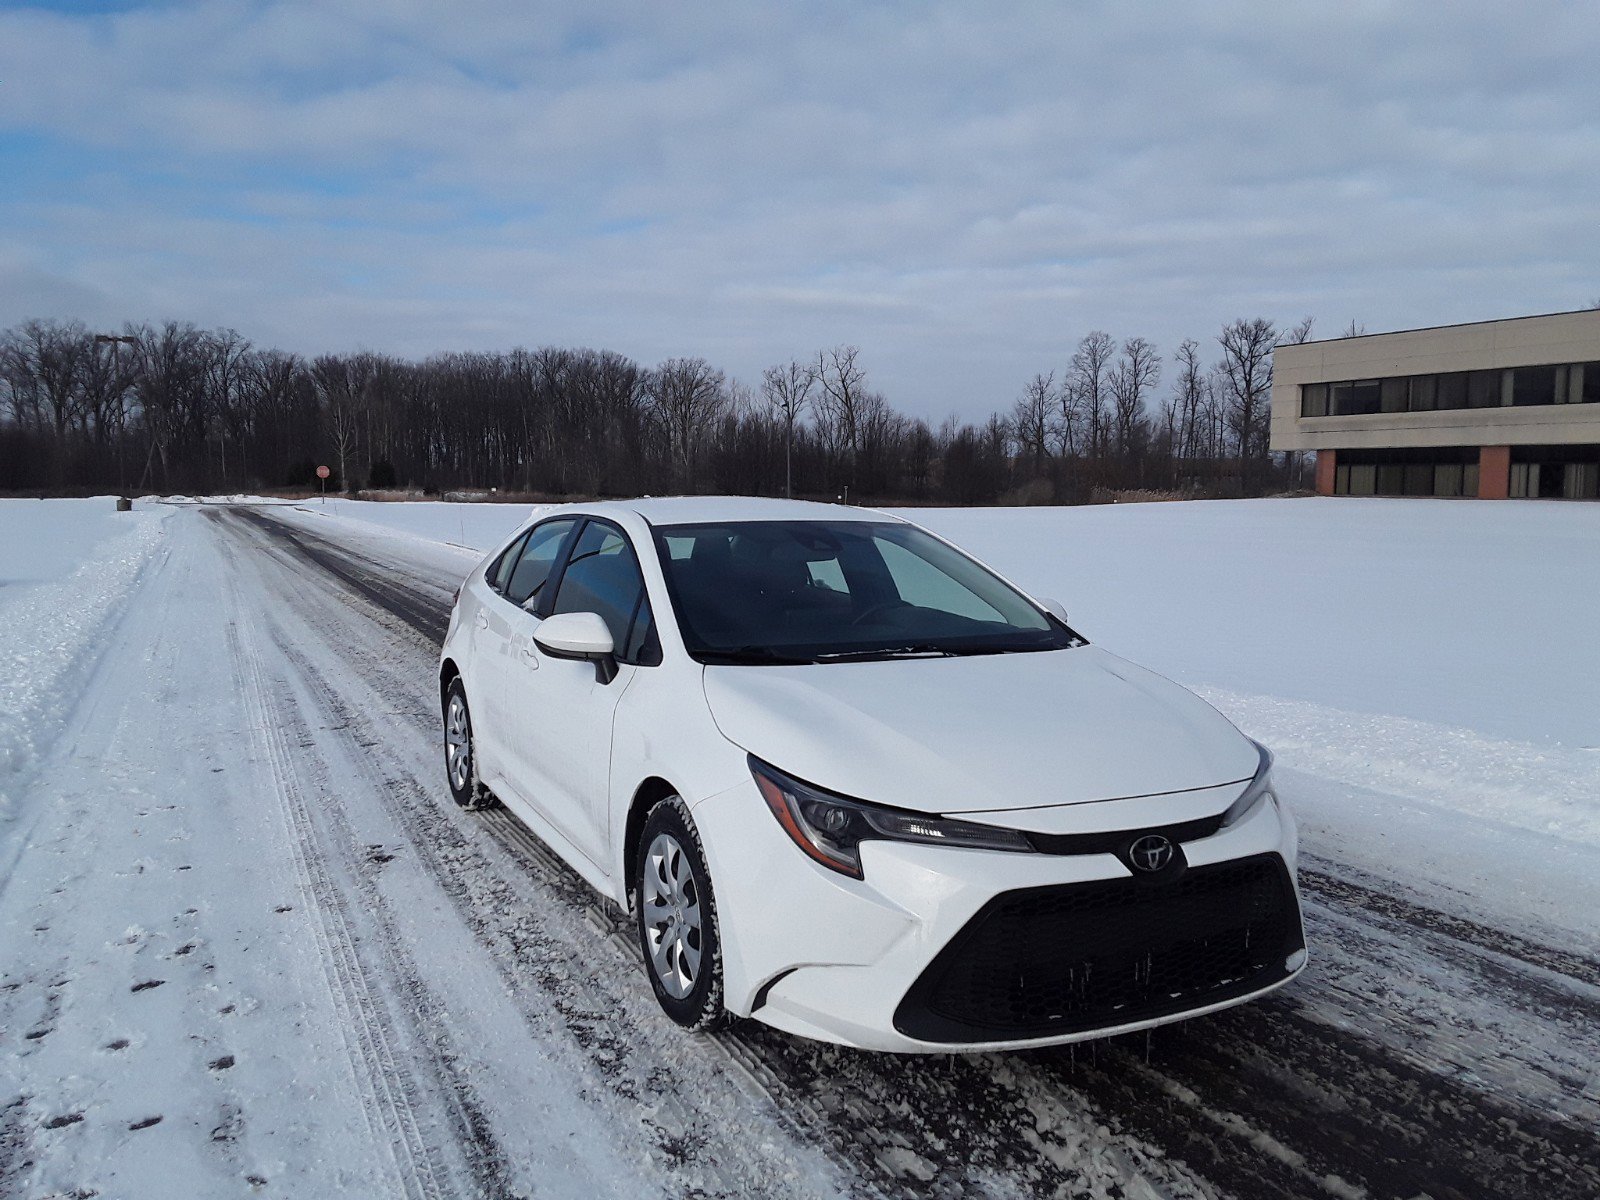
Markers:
<point>1581,481</point>
<point>1453,389</point>
<point>1484,389</point>
<point>1365,397</point>
<point>1435,471</point>
<point>1555,383</point>
<point>1538,385</point>
<point>1556,472</point>
<point>1524,480</point>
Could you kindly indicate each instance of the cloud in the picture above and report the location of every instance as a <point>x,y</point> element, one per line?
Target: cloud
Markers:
<point>960,190</point>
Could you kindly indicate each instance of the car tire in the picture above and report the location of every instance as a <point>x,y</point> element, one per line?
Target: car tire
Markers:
<point>675,914</point>
<point>460,754</point>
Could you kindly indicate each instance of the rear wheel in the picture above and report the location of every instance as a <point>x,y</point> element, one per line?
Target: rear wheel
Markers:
<point>677,918</point>
<point>460,761</point>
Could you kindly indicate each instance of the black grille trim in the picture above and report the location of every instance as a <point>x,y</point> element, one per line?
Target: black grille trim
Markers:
<point>1073,958</point>
<point>1117,842</point>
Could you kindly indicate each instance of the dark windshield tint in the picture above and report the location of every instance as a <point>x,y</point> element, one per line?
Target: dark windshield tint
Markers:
<point>806,590</point>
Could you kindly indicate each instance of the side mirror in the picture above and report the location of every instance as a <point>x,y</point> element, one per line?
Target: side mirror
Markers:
<point>1054,607</point>
<point>582,636</point>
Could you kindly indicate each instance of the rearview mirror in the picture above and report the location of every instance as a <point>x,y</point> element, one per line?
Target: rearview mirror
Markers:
<point>1054,607</point>
<point>579,635</point>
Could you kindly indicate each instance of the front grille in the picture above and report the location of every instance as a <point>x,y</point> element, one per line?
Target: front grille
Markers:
<point>1117,842</point>
<point>1077,957</point>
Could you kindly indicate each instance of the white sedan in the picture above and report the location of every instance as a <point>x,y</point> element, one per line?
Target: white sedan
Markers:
<point>854,784</point>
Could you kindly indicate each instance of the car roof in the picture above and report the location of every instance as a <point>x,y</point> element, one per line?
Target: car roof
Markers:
<point>711,510</point>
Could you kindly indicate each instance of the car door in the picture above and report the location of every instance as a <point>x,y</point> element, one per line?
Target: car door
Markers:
<point>567,710</point>
<point>486,637</point>
<point>501,639</point>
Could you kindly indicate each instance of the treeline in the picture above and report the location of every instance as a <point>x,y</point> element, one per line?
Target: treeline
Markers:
<point>173,408</point>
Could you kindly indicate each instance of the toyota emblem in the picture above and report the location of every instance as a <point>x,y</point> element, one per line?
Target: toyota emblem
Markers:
<point>1150,853</point>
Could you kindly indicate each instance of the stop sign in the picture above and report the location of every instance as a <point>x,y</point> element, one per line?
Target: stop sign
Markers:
<point>323,472</point>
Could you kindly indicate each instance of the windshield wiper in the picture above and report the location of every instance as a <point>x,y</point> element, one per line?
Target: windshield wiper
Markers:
<point>750,656</point>
<point>920,650</point>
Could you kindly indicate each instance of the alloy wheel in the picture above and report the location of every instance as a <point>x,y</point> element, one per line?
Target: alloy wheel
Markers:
<point>674,933</point>
<point>458,743</point>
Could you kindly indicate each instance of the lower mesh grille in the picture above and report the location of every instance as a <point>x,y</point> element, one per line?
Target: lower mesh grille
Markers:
<point>1086,956</point>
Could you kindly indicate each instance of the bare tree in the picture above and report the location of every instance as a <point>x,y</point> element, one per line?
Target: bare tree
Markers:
<point>843,381</point>
<point>1133,377</point>
<point>1031,417</point>
<point>786,389</point>
<point>1246,368</point>
<point>172,397</point>
<point>686,395</point>
<point>1354,329</point>
<point>340,382</point>
<point>225,352</point>
<point>53,358</point>
<point>1298,333</point>
<point>1087,373</point>
<point>1188,395</point>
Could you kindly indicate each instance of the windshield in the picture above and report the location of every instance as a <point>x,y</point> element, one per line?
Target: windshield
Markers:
<point>819,591</point>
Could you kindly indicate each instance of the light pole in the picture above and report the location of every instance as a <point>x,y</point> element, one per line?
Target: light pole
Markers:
<point>116,342</point>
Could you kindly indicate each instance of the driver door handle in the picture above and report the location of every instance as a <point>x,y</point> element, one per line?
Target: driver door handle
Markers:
<point>481,620</point>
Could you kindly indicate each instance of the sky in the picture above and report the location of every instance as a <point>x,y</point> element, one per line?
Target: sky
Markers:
<point>961,190</point>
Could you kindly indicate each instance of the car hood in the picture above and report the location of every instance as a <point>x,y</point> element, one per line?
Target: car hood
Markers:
<point>1002,731</point>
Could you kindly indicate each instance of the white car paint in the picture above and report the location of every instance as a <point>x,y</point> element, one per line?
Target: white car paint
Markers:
<point>1065,728</point>
<point>1073,741</point>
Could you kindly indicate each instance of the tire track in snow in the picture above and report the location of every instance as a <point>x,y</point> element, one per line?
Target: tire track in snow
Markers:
<point>1334,889</point>
<point>1265,1099</point>
<point>392,1122</point>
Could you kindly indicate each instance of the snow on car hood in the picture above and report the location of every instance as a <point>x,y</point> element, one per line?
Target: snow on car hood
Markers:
<point>948,735</point>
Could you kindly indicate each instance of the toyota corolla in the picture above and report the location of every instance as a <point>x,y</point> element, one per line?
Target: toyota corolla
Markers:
<point>853,783</point>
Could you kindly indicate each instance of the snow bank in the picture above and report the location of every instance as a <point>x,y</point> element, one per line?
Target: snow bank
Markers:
<point>66,567</point>
<point>473,526</point>
<point>1476,615</point>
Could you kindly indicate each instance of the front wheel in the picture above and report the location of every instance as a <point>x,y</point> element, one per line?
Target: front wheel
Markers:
<point>460,767</point>
<point>677,918</point>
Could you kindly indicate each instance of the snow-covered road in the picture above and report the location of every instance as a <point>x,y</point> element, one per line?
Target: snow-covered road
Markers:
<point>248,945</point>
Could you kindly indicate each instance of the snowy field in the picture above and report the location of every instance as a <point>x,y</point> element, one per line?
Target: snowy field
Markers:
<point>246,944</point>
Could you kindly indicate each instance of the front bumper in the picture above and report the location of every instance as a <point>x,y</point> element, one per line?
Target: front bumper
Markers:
<point>942,949</point>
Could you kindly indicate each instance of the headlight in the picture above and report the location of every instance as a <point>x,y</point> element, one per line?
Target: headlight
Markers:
<point>830,829</point>
<point>1260,790</point>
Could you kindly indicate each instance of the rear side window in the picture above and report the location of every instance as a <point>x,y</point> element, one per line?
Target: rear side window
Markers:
<point>499,573</point>
<point>602,576</point>
<point>538,556</point>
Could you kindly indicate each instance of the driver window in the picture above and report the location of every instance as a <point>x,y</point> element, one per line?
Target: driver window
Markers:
<point>533,566</point>
<point>602,576</point>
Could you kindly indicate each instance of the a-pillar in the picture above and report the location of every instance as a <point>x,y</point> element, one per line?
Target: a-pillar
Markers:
<point>1327,463</point>
<point>1494,472</point>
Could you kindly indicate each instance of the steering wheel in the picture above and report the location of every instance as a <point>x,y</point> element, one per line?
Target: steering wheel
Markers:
<point>874,609</point>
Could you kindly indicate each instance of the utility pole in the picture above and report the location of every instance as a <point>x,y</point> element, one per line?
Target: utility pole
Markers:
<point>116,342</point>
